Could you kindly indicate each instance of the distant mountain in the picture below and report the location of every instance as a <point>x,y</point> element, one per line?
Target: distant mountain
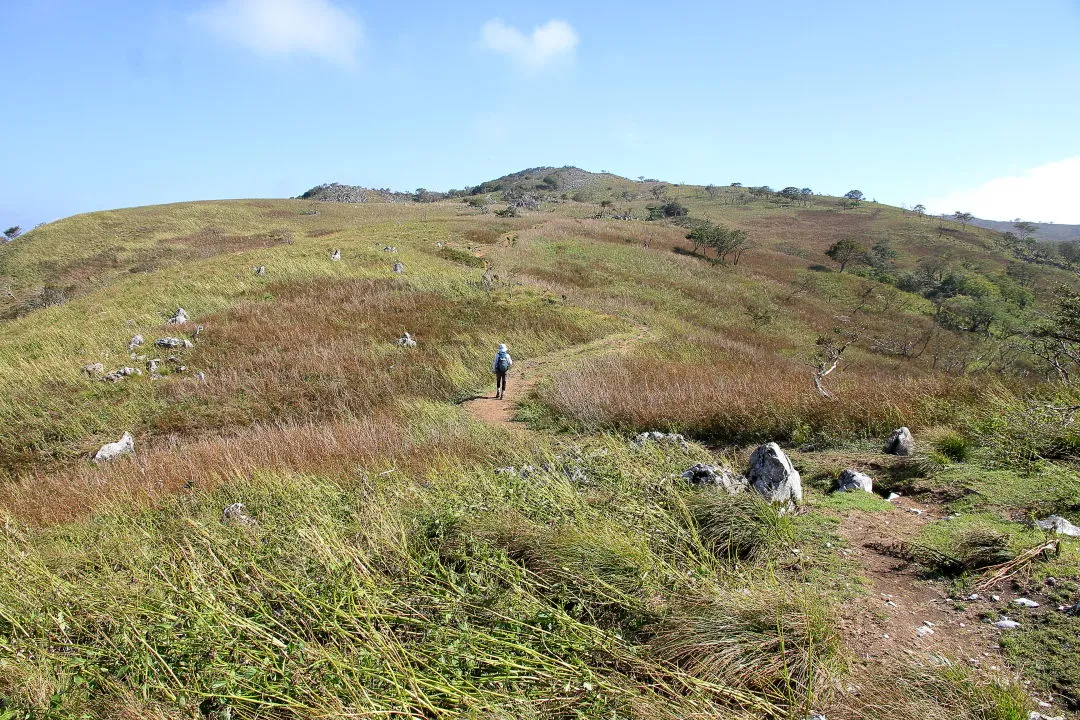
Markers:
<point>1046,231</point>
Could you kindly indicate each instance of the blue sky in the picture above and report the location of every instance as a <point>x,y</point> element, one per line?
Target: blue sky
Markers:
<point>114,104</point>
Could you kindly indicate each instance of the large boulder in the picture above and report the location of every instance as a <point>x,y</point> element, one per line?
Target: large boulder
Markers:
<point>773,477</point>
<point>702,474</point>
<point>851,480</point>
<point>124,446</point>
<point>900,442</point>
<point>1059,526</point>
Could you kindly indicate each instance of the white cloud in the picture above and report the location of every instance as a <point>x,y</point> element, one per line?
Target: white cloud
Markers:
<point>552,42</point>
<point>285,27</point>
<point>1047,193</point>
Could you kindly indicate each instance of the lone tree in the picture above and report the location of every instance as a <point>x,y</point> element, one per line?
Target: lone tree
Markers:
<point>1025,229</point>
<point>13,232</point>
<point>846,252</point>
<point>919,209</point>
<point>725,242</point>
<point>657,190</point>
<point>712,191</point>
<point>855,196</point>
<point>963,217</point>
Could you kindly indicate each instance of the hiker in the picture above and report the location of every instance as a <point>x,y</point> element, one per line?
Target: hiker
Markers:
<point>503,361</point>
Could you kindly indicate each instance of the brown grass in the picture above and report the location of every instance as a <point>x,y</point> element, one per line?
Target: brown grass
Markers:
<point>740,393</point>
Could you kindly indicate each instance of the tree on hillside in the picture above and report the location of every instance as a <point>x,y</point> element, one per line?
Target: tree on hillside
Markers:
<point>791,193</point>
<point>658,190</point>
<point>963,217</point>
<point>671,209</point>
<point>807,196</point>
<point>1070,251</point>
<point>881,257</point>
<point>919,209</point>
<point>1025,229</point>
<point>855,196</point>
<point>712,191</point>
<point>725,242</point>
<point>13,232</point>
<point>846,251</point>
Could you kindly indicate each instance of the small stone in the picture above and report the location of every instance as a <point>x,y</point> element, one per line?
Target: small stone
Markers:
<point>924,631</point>
<point>1006,624</point>
<point>1025,602</point>
<point>900,442</point>
<point>172,343</point>
<point>93,369</point>
<point>136,342</point>
<point>702,474</point>
<point>852,480</point>
<point>995,598</point>
<point>335,256</point>
<point>235,514</point>
<point>973,597</point>
<point>389,249</point>
<point>124,446</point>
<point>915,511</point>
<point>200,376</point>
<point>399,267</point>
<point>893,497</point>
<point>406,341</point>
<point>260,270</point>
<point>179,317</point>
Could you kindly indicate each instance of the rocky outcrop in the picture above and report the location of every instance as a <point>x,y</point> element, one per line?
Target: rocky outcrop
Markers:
<point>711,475</point>
<point>852,480</point>
<point>773,477</point>
<point>124,446</point>
<point>900,443</point>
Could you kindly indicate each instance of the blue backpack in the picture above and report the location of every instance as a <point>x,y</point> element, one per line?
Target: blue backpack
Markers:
<point>502,362</point>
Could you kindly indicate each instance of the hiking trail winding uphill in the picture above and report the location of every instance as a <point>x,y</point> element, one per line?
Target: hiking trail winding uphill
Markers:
<point>525,374</point>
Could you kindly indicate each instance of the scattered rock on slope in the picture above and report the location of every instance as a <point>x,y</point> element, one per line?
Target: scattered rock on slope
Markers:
<point>399,267</point>
<point>179,318</point>
<point>773,476</point>
<point>93,369</point>
<point>702,474</point>
<point>235,514</point>
<point>851,480</point>
<point>135,342</point>
<point>172,343</point>
<point>662,438</point>
<point>406,341</point>
<point>900,442</point>
<point>124,446</point>
<point>1059,526</point>
<point>260,270</point>
<point>335,256</point>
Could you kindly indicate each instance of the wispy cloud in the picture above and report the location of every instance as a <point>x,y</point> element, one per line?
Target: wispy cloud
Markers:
<point>286,27</point>
<point>1046,193</point>
<point>551,43</point>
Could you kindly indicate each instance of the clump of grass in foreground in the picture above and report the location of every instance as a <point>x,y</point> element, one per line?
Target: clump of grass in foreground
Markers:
<point>971,542</point>
<point>763,637</point>
<point>740,527</point>
<point>925,692</point>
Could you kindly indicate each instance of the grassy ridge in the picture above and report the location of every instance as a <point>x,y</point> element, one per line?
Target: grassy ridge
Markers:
<point>393,568</point>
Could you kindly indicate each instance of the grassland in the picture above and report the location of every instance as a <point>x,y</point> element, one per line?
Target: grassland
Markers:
<point>406,560</point>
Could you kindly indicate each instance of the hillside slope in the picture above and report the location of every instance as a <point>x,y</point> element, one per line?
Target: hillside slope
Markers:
<point>397,553</point>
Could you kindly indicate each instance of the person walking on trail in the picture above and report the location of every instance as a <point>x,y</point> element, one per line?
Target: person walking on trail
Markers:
<point>502,364</point>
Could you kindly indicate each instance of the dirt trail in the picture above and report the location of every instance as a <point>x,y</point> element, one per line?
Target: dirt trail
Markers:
<point>525,373</point>
<point>899,602</point>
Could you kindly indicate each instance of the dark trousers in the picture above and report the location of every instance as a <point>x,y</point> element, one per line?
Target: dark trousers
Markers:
<point>500,382</point>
